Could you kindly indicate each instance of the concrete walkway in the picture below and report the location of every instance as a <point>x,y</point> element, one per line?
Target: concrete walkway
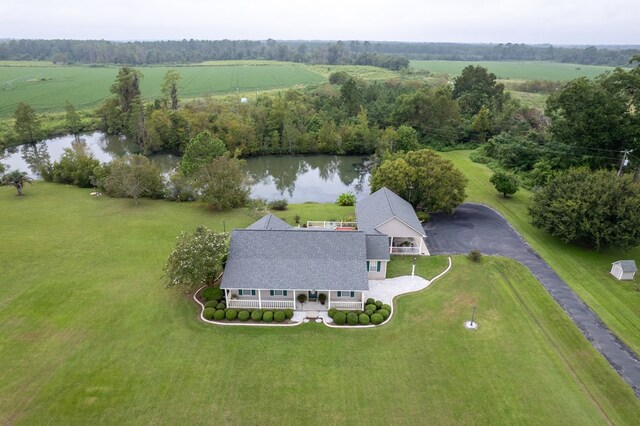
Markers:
<point>475,226</point>
<point>386,290</point>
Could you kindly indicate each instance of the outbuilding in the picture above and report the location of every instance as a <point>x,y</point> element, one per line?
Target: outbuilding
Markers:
<point>624,269</point>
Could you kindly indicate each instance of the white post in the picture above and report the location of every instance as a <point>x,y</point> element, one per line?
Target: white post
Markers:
<point>329,300</point>
<point>362,300</point>
<point>259,299</point>
<point>226,296</point>
<point>294,299</point>
<point>391,246</point>
<point>413,270</point>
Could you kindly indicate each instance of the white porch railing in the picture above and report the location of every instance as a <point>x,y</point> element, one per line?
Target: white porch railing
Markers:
<point>239,303</point>
<point>278,304</point>
<point>331,225</point>
<point>404,250</point>
<point>346,305</point>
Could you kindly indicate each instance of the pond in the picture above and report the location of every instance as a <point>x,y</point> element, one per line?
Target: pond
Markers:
<point>319,178</point>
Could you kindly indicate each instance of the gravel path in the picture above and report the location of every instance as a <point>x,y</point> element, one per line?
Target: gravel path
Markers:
<point>475,226</point>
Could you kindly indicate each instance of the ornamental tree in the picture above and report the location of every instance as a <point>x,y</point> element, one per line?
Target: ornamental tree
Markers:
<point>505,183</point>
<point>198,258</point>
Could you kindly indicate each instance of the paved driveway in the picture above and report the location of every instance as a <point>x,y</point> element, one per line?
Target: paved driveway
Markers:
<point>474,226</point>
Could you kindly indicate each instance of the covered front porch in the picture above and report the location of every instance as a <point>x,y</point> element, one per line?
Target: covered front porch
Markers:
<point>407,245</point>
<point>288,299</point>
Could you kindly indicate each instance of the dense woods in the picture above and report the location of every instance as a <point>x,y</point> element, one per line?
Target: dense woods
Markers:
<point>391,55</point>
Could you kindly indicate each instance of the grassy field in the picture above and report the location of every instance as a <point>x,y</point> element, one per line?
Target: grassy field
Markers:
<point>47,87</point>
<point>517,70</point>
<point>88,334</point>
<point>617,303</point>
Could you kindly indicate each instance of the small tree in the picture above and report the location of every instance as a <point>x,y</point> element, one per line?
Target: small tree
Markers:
<point>346,199</point>
<point>17,179</point>
<point>27,123</point>
<point>198,258</point>
<point>474,255</point>
<point>170,88</point>
<point>223,183</point>
<point>200,151</point>
<point>505,183</point>
<point>73,123</point>
<point>134,176</point>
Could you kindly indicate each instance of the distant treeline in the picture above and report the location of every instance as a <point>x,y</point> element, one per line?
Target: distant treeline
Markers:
<point>392,55</point>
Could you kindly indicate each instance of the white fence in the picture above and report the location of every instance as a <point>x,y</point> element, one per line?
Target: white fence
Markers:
<point>346,305</point>
<point>405,250</point>
<point>331,225</point>
<point>278,304</point>
<point>235,303</point>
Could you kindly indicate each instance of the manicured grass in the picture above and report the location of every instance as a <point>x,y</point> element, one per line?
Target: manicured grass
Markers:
<point>524,70</point>
<point>46,88</point>
<point>617,303</point>
<point>88,334</point>
<point>426,266</point>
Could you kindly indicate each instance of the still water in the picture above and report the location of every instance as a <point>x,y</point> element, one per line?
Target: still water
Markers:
<point>298,179</point>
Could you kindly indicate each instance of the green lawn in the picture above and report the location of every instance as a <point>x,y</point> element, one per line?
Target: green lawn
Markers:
<point>617,303</point>
<point>427,267</point>
<point>519,70</point>
<point>88,334</point>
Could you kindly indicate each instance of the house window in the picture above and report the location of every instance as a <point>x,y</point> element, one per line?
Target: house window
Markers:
<point>278,292</point>
<point>373,266</point>
<point>346,294</point>
<point>247,292</point>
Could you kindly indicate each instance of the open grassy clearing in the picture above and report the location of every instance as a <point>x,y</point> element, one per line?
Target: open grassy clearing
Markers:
<point>617,303</point>
<point>88,334</point>
<point>522,70</point>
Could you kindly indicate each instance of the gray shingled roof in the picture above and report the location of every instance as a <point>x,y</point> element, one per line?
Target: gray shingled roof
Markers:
<point>627,265</point>
<point>383,205</point>
<point>296,259</point>
<point>269,222</point>
<point>378,247</point>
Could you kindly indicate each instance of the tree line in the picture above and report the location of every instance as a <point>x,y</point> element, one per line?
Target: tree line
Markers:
<point>393,55</point>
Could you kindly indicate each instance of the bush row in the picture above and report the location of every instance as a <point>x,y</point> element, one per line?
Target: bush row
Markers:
<point>222,313</point>
<point>375,312</point>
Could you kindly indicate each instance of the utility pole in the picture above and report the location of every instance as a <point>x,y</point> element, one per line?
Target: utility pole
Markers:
<point>625,161</point>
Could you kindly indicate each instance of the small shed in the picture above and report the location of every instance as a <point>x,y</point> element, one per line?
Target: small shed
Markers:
<point>624,269</point>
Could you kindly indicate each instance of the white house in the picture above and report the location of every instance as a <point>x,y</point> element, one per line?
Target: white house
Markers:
<point>624,269</point>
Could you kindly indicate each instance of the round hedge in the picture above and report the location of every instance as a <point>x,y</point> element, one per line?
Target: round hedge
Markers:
<point>220,305</point>
<point>378,304</point>
<point>288,313</point>
<point>219,315</point>
<point>340,318</point>
<point>371,307</point>
<point>208,313</point>
<point>332,312</point>
<point>231,314</point>
<point>376,319</point>
<point>279,316</point>
<point>370,301</point>
<point>369,312</point>
<point>256,315</point>
<point>364,319</point>
<point>244,315</point>
<point>267,316</point>
<point>211,304</point>
<point>387,307</point>
<point>352,318</point>
<point>384,313</point>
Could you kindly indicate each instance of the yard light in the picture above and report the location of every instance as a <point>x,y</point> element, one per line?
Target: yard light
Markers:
<point>413,267</point>
<point>473,314</point>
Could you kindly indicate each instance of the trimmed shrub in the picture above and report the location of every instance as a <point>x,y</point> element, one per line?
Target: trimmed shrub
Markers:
<point>385,314</point>
<point>387,307</point>
<point>219,315</point>
<point>340,318</point>
<point>378,304</point>
<point>370,301</point>
<point>474,255</point>
<point>278,204</point>
<point>369,312</point>
<point>256,315</point>
<point>332,312</point>
<point>371,307</point>
<point>267,316</point>
<point>364,319</point>
<point>279,316</point>
<point>322,298</point>
<point>207,293</point>
<point>212,293</point>
<point>352,318</point>
<point>244,315</point>
<point>376,319</point>
<point>231,314</point>
<point>288,313</point>
<point>211,304</point>
<point>208,313</point>
<point>302,298</point>
<point>217,294</point>
<point>221,305</point>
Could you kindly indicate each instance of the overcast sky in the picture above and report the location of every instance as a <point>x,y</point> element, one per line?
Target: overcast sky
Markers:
<point>487,21</point>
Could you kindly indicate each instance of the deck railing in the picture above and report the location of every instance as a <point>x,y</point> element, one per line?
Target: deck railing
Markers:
<point>346,305</point>
<point>332,225</point>
<point>266,304</point>
<point>278,304</point>
<point>404,250</point>
<point>239,303</point>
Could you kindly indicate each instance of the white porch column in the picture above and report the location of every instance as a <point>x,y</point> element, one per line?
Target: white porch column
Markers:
<point>329,300</point>
<point>259,299</point>
<point>226,296</point>
<point>294,299</point>
<point>362,300</point>
<point>391,245</point>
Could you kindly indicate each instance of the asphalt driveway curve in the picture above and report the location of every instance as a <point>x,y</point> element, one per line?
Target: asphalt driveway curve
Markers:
<point>475,226</point>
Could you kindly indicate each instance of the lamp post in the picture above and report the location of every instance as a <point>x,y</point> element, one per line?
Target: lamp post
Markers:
<point>413,267</point>
<point>473,314</point>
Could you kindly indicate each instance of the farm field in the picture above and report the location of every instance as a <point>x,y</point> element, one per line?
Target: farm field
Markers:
<point>89,335</point>
<point>514,70</point>
<point>617,303</point>
<point>47,87</point>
